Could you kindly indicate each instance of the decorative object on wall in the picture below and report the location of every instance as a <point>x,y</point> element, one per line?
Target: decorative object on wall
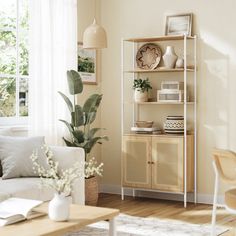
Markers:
<point>87,64</point>
<point>174,125</point>
<point>170,57</point>
<point>179,24</point>
<point>148,56</point>
<point>179,63</point>
<point>141,88</point>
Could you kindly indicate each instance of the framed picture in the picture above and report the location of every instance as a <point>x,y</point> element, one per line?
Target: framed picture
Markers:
<point>179,24</point>
<point>87,64</point>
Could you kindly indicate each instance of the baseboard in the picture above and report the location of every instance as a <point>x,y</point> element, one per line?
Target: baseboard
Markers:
<point>201,198</point>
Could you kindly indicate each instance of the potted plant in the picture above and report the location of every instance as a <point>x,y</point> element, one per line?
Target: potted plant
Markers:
<point>141,87</point>
<point>79,127</point>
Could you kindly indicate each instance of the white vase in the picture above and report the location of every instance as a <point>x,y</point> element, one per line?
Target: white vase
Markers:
<point>169,57</point>
<point>59,208</point>
<point>179,63</point>
<point>140,96</point>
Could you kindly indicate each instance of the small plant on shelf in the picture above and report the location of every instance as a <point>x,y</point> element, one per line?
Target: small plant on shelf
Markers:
<point>141,87</point>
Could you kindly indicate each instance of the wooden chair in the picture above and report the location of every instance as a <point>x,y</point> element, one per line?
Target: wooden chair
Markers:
<point>224,164</point>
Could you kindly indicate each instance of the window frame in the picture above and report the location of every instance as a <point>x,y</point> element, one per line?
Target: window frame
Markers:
<point>17,119</point>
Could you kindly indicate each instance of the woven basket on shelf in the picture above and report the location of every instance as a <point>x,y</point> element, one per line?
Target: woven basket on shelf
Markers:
<point>91,191</point>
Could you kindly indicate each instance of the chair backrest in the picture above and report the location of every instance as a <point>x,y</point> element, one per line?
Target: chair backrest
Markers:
<point>225,162</point>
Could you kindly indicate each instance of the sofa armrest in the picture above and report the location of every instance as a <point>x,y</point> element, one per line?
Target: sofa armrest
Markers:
<point>66,157</point>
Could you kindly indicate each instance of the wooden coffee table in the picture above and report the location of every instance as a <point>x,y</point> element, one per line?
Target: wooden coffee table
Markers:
<point>80,216</point>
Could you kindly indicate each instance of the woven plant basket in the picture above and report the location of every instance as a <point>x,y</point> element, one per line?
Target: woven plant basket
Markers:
<point>91,191</point>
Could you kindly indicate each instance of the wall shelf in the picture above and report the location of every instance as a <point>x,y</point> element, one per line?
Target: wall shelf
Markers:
<point>158,38</point>
<point>164,103</point>
<point>137,70</point>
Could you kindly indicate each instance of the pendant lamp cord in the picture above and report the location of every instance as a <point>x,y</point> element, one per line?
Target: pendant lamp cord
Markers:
<point>95,8</point>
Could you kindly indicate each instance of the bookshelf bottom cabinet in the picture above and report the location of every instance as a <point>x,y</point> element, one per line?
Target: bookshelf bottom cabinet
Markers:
<point>157,162</point>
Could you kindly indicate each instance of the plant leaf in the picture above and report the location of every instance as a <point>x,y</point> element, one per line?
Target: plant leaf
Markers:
<point>90,107</point>
<point>68,143</point>
<point>68,125</point>
<point>67,101</point>
<point>79,116</point>
<point>74,82</point>
<point>89,145</point>
<point>79,136</point>
<point>93,131</point>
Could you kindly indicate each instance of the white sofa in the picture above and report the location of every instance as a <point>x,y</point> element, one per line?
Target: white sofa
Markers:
<point>29,187</point>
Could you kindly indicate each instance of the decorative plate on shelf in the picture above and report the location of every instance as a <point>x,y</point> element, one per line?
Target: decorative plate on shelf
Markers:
<point>148,56</point>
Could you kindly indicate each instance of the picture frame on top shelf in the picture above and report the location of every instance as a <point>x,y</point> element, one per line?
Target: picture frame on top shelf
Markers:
<point>87,64</point>
<point>180,24</point>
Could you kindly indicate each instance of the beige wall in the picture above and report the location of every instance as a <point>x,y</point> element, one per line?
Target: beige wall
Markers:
<point>213,23</point>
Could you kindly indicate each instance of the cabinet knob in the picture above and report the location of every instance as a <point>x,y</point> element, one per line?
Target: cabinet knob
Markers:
<point>151,162</point>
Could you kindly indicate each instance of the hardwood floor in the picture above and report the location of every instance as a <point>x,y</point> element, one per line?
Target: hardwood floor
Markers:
<point>146,207</point>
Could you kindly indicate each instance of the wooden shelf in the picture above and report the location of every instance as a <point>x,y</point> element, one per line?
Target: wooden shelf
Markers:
<point>164,103</point>
<point>158,38</point>
<point>189,133</point>
<point>137,70</point>
<point>159,103</point>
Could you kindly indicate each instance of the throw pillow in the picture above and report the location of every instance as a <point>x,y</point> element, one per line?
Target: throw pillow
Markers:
<point>5,132</point>
<point>15,155</point>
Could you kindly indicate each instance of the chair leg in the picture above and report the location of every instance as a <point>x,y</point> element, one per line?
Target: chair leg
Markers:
<point>213,231</point>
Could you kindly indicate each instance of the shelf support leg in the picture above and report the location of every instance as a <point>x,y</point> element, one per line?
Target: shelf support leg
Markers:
<point>122,193</point>
<point>185,121</point>
<point>133,192</point>
<point>195,119</point>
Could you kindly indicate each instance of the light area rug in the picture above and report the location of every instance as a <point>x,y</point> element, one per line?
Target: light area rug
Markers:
<point>138,226</point>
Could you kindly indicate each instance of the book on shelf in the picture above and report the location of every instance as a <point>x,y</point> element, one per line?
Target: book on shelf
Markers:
<point>14,210</point>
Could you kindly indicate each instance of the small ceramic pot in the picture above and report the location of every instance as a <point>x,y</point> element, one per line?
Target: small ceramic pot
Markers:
<point>59,208</point>
<point>169,57</point>
<point>140,96</point>
<point>179,63</point>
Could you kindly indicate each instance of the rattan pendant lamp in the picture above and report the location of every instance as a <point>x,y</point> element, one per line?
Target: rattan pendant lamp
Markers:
<point>94,36</point>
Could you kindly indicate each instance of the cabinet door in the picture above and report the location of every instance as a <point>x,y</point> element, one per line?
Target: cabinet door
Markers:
<point>136,154</point>
<point>167,163</point>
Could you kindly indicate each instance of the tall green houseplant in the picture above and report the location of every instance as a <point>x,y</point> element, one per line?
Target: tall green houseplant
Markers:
<point>82,116</point>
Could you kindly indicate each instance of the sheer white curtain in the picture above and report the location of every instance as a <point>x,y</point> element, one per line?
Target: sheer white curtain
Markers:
<point>53,51</point>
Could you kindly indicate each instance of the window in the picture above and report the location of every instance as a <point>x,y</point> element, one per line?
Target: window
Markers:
<point>14,74</point>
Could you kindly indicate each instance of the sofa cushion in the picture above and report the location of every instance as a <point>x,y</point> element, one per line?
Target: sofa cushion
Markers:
<point>24,188</point>
<point>5,132</point>
<point>15,155</point>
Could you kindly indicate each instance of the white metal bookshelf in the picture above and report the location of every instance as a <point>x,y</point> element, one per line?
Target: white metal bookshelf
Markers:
<point>134,71</point>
